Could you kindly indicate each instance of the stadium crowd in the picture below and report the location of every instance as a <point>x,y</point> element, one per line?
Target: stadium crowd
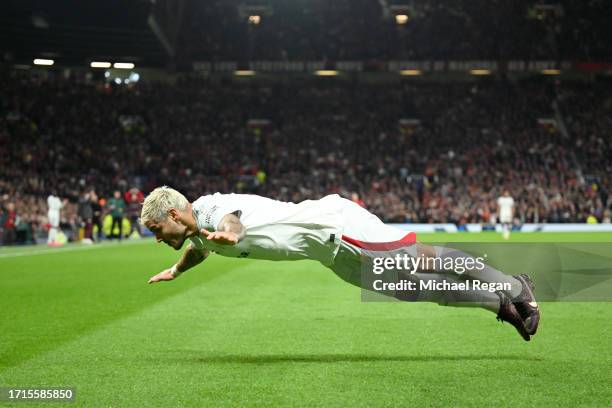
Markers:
<point>318,30</point>
<point>412,151</point>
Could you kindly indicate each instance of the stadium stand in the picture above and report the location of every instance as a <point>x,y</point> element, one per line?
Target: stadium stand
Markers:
<point>427,152</point>
<point>414,151</point>
<point>367,29</point>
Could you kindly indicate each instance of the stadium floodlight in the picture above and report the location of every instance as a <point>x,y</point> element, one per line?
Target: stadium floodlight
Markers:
<point>100,64</point>
<point>254,19</point>
<point>480,72</point>
<point>244,72</point>
<point>123,65</point>
<point>326,72</point>
<point>134,77</point>
<point>401,18</point>
<point>42,61</point>
<point>551,71</point>
<point>410,72</point>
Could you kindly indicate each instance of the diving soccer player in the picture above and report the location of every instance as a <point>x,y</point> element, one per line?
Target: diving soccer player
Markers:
<point>334,231</point>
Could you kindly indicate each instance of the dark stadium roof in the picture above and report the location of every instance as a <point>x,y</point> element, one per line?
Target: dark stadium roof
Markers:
<point>75,32</point>
<point>160,32</point>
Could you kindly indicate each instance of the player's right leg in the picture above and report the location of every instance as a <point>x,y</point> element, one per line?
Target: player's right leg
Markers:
<point>520,295</point>
<point>52,235</point>
<point>348,265</point>
<point>364,234</point>
<point>367,232</point>
<point>53,227</point>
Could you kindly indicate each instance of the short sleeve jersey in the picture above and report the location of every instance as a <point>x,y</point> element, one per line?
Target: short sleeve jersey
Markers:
<point>505,204</point>
<point>54,203</point>
<point>275,230</point>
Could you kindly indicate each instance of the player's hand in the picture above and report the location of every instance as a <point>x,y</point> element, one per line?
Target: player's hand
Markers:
<point>166,275</point>
<point>221,237</point>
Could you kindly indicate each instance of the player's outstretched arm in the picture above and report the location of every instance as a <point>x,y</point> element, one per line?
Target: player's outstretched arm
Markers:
<point>230,231</point>
<point>190,258</point>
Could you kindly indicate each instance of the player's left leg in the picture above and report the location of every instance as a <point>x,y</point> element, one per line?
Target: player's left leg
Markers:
<point>366,231</point>
<point>365,235</point>
<point>349,263</point>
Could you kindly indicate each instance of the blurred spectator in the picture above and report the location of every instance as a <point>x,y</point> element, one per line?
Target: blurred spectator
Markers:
<point>86,215</point>
<point>355,198</point>
<point>466,141</point>
<point>344,30</point>
<point>96,218</point>
<point>134,198</point>
<point>54,204</point>
<point>24,233</point>
<point>10,221</point>
<point>116,208</point>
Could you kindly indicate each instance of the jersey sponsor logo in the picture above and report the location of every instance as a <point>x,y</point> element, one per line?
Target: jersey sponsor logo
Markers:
<point>209,214</point>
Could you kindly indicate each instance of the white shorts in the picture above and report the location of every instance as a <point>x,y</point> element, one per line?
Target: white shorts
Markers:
<point>54,219</point>
<point>363,231</point>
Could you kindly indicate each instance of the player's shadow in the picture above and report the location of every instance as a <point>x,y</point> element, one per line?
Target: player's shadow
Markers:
<point>344,358</point>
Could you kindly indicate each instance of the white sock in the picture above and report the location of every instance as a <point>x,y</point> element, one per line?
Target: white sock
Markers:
<point>52,235</point>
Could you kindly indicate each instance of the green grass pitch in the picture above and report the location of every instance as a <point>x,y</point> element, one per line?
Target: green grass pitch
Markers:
<point>235,332</point>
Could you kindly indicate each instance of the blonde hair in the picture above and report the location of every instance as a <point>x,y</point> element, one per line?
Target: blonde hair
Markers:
<point>157,204</point>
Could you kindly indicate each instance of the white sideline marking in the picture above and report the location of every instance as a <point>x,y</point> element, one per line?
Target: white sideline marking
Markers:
<point>73,248</point>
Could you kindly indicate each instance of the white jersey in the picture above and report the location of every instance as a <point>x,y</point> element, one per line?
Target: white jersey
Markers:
<point>505,204</point>
<point>53,214</point>
<point>55,204</point>
<point>275,230</point>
